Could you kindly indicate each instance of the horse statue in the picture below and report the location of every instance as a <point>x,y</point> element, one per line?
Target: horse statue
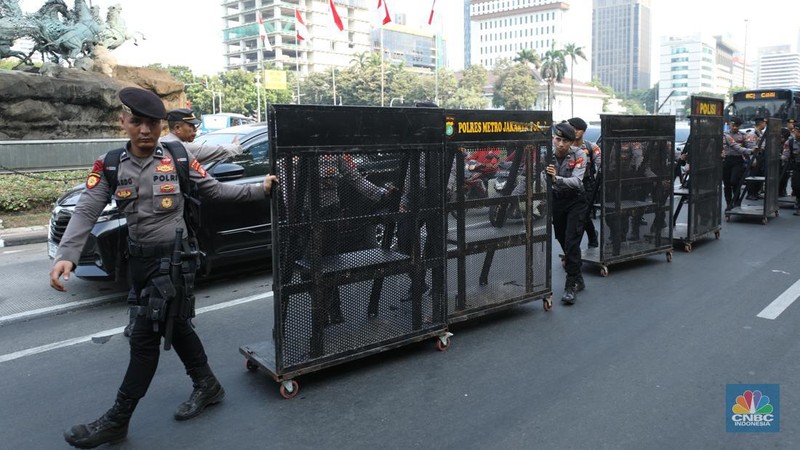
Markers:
<point>116,32</point>
<point>79,36</point>
<point>51,20</point>
<point>13,25</point>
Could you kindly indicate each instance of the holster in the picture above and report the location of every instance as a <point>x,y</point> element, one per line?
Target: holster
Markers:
<point>161,292</point>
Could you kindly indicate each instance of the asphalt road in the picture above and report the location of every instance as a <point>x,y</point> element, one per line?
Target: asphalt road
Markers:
<point>641,361</point>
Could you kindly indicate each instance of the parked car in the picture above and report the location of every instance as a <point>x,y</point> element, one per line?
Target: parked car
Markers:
<point>229,233</point>
<point>220,121</point>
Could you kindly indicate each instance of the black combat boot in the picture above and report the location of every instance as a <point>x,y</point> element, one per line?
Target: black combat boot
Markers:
<point>593,239</point>
<point>570,291</point>
<point>207,391</point>
<point>579,284</point>
<point>110,427</point>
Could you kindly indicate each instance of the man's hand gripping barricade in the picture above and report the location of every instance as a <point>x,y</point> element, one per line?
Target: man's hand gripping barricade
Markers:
<point>171,296</point>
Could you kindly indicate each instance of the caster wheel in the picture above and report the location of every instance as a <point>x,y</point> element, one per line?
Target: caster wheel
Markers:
<point>442,344</point>
<point>669,256</point>
<point>547,302</point>
<point>289,389</point>
<point>764,221</point>
<point>250,365</point>
<point>604,271</point>
<point>716,235</point>
<point>687,248</point>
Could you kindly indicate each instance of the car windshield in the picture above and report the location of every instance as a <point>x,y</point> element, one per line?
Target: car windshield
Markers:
<point>215,138</point>
<point>681,134</point>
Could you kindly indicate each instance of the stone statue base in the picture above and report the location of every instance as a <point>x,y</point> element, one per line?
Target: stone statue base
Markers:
<point>68,103</point>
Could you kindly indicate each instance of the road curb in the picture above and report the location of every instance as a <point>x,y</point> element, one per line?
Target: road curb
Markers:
<point>22,236</point>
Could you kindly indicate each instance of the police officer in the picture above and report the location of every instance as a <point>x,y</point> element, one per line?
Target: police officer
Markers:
<point>183,128</point>
<point>736,148</point>
<point>791,155</point>
<point>569,204</point>
<point>591,176</point>
<point>145,168</point>
<point>758,141</point>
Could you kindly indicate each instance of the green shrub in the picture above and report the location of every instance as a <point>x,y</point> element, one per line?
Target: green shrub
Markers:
<point>20,192</point>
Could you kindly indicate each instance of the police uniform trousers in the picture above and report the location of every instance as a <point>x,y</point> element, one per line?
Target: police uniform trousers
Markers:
<point>569,214</point>
<point>796,183</point>
<point>145,341</point>
<point>732,173</point>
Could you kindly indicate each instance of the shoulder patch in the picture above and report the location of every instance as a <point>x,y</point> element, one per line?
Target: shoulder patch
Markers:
<point>93,180</point>
<point>198,168</point>
<point>97,167</point>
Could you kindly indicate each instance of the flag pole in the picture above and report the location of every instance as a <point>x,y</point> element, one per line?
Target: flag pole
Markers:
<point>382,68</point>
<point>333,75</point>
<point>297,69</point>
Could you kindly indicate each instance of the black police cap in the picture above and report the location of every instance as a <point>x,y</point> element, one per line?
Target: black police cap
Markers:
<point>183,115</point>
<point>142,103</point>
<point>578,123</point>
<point>564,130</point>
<point>790,121</point>
<point>759,119</point>
<point>736,121</point>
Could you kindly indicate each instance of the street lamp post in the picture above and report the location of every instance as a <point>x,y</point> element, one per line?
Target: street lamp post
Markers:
<point>744,59</point>
<point>391,102</point>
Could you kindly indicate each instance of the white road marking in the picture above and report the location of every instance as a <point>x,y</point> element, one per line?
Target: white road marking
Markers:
<point>58,308</point>
<point>779,305</point>
<point>11,252</point>
<point>118,330</point>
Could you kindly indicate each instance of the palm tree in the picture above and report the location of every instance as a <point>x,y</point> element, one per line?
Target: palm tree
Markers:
<point>528,56</point>
<point>573,52</point>
<point>553,68</point>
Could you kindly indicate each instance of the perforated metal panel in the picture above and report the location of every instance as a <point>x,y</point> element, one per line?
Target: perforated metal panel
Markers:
<point>636,206</point>
<point>704,175</point>
<point>357,231</point>
<point>774,148</point>
<point>498,226</point>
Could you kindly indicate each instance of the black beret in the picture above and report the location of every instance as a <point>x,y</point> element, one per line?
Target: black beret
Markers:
<point>183,114</point>
<point>790,121</point>
<point>564,130</point>
<point>758,120</point>
<point>578,123</point>
<point>143,103</point>
<point>736,121</point>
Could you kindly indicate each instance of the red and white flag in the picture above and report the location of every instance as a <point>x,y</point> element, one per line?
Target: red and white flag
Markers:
<point>262,33</point>
<point>337,21</point>
<point>382,16</point>
<point>430,18</point>
<point>300,26</point>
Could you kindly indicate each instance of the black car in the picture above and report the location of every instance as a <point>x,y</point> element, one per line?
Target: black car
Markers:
<point>229,232</point>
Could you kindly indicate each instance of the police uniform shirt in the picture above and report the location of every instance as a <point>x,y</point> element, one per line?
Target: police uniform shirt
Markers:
<point>736,144</point>
<point>335,168</point>
<point>148,193</point>
<point>594,154</point>
<point>570,171</point>
<point>791,150</point>
<point>206,153</point>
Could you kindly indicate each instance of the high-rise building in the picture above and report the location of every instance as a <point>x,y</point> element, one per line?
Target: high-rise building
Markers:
<point>467,36</point>
<point>503,28</point>
<point>778,67</point>
<point>621,44</point>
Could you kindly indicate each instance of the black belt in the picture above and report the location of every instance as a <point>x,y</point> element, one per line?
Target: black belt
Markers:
<point>733,156</point>
<point>149,250</point>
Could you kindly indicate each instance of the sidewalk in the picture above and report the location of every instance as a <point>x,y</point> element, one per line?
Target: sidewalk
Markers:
<point>21,236</point>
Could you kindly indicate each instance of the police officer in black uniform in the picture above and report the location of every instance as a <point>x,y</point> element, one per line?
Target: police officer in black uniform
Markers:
<point>149,195</point>
<point>569,205</point>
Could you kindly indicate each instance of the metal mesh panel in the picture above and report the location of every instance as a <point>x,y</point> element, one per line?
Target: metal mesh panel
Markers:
<point>705,178</point>
<point>636,206</point>
<point>498,232</point>
<point>774,148</point>
<point>358,231</point>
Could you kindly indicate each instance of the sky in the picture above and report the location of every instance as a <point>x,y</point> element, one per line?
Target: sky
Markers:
<point>168,25</point>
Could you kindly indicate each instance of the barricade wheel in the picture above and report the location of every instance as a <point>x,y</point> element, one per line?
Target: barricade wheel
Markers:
<point>250,365</point>
<point>603,271</point>
<point>669,256</point>
<point>716,234</point>
<point>687,248</point>
<point>547,302</point>
<point>442,344</point>
<point>289,389</point>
